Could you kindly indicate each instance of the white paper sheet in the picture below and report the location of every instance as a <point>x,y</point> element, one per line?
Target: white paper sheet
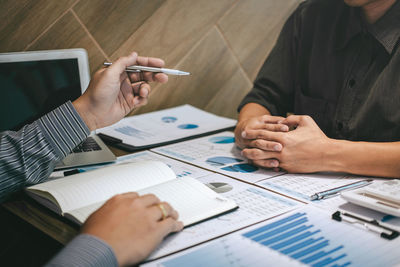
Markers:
<point>255,205</point>
<point>217,153</point>
<point>166,125</point>
<point>307,235</point>
<point>303,186</point>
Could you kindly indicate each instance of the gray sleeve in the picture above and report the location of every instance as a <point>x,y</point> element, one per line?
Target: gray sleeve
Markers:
<point>29,155</point>
<point>84,251</point>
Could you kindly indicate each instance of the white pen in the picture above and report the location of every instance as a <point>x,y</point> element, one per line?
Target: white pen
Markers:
<point>136,68</point>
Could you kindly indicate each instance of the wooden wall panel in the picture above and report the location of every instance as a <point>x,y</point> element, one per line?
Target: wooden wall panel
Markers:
<point>213,68</point>
<point>174,29</point>
<point>112,22</point>
<point>68,33</point>
<point>22,21</point>
<point>222,43</point>
<point>251,28</point>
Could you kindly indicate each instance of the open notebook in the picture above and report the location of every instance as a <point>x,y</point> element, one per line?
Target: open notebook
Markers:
<point>77,196</point>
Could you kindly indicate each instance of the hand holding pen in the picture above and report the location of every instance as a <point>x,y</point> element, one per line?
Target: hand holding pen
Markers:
<point>113,92</point>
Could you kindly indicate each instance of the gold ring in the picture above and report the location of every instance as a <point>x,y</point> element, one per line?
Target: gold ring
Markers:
<point>163,211</point>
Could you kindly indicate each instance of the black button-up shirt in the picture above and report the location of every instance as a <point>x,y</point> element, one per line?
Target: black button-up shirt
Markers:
<point>330,64</point>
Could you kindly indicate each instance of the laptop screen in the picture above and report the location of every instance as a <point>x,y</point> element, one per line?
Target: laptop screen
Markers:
<point>30,89</point>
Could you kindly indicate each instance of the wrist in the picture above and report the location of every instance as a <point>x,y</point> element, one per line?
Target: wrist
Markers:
<point>333,159</point>
<point>85,114</point>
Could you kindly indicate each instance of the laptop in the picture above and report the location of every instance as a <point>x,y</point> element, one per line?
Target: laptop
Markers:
<point>36,82</point>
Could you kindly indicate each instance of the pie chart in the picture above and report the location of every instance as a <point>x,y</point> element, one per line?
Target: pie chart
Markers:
<point>168,119</point>
<point>221,161</point>
<point>187,126</point>
<point>220,187</point>
<point>243,168</point>
<point>222,139</point>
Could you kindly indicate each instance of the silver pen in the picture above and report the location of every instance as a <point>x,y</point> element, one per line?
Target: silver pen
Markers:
<point>337,190</point>
<point>136,68</point>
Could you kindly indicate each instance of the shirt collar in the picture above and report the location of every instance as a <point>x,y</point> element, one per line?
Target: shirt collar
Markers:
<point>387,29</point>
<point>349,24</point>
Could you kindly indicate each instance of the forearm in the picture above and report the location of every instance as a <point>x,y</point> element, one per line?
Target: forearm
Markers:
<point>29,155</point>
<point>363,158</point>
<point>85,250</point>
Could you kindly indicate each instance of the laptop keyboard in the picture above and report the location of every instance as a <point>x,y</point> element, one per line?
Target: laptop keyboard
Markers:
<point>88,145</point>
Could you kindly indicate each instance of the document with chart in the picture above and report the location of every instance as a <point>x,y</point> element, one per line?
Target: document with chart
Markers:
<point>164,126</point>
<point>305,236</point>
<point>218,153</point>
<point>306,186</point>
<point>255,205</point>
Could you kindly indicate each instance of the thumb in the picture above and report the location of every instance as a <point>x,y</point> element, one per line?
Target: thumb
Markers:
<point>122,63</point>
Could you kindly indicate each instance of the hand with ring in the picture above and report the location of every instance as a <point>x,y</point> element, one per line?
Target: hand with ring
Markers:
<point>133,225</point>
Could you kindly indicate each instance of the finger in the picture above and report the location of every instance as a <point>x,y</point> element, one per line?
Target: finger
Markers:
<point>149,200</point>
<point>296,120</point>
<point>265,145</point>
<point>258,154</point>
<point>141,89</point>
<point>270,119</point>
<point>262,134</point>
<point>170,225</point>
<point>268,163</point>
<point>152,62</point>
<point>160,77</point>
<point>119,66</point>
<point>157,211</point>
<point>148,76</point>
<point>130,195</point>
<point>144,90</point>
<point>269,127</point>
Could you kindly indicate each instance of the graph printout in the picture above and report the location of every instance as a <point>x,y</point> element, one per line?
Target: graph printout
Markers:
<point>303,186</point>
<point>217,153</point>
<point>255,205</point>
<point>165,125</point>
<point>305,236</point>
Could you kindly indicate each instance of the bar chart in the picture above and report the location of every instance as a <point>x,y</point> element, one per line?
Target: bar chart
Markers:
<point>307,236</point>
<point>295,237</point>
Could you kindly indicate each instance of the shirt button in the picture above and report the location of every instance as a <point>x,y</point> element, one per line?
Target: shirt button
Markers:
<point>352,82</point>
<point>339,126</point>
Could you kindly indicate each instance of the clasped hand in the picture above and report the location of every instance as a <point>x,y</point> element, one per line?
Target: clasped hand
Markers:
<point>267,142</point>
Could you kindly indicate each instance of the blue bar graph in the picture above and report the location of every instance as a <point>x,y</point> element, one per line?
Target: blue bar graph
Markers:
<point>279,230</point>
<point>285,235</point>
<point>294,240</point>
<point>320,255</point>
<point>295,237</point>
<point>272,225</point>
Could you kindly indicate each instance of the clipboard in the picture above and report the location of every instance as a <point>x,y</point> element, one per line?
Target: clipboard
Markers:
<point>387,226</point>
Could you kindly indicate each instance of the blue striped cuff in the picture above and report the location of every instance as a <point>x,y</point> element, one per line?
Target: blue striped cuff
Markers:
<point>63,128</point>
<point>85,251</point>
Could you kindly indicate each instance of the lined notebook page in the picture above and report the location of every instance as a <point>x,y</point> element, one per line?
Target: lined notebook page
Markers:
<point>84,189</point>
<point>193,200</point>
<point>80,215</point>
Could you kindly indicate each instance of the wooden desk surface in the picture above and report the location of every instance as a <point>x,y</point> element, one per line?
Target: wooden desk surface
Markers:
<point>42,218</point>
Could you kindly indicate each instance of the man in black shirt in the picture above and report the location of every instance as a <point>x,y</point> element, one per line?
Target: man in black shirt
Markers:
<point>336,65</point>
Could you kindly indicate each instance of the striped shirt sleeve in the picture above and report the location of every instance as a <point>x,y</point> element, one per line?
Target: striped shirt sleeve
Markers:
<point>29,155</point>
<point>85,251</point>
